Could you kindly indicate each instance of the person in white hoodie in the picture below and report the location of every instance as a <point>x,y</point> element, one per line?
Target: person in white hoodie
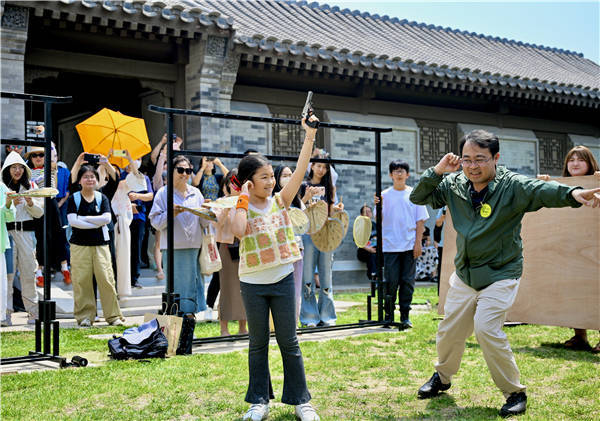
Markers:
<point>17,177</point>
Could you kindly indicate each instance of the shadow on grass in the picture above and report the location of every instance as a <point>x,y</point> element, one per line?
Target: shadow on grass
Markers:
<point>558,351</point>
<point>469,344</point>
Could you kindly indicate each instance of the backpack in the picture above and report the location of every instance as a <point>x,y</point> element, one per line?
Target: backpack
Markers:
<point>97,196</point>
<point>143,341</point>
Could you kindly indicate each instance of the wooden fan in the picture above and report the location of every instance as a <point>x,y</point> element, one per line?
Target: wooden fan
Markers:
<point>300,222</point>
<point>41,192</point>
<point>317,216</point>
<point>343,218</point>
<point>361,231</point>
<point>330,236</point>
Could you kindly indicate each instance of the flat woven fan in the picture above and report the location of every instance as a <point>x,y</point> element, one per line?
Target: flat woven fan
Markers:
<point>317,216</point>
<point>42,192</point>
<point>330,236</point>
<point>300,221</point>
<point>222,202</point>
<point>361,230</point>
<point>344,219</point>
<point>201,212</point>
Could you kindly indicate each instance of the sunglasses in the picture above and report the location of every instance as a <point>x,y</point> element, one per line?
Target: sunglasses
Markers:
<point>37,155</point>
<point>182,170</point>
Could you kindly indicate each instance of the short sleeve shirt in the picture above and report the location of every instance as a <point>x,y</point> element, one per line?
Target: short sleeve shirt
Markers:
<point>88,237</point>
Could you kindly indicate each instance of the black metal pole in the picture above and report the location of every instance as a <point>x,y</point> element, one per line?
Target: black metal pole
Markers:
<point>42,314</point>
<point>379,215</point>
<point>170,223</point>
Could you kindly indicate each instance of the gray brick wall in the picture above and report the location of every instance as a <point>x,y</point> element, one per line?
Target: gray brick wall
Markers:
<point>356,184</point>
<point>12,51</point>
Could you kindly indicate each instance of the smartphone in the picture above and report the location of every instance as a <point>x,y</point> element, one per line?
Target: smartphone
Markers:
<point>119,153</point>
<point>91,158</point>
<point>174,136</point>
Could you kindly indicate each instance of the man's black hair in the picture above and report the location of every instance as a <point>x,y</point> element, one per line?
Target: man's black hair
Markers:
<point>397,164</point>
<point>483,139</point>
<point>249,151</point>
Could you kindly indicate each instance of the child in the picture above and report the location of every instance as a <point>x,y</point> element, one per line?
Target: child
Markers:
<point>267,253</point>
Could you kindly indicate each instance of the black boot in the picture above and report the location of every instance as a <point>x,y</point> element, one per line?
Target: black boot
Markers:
<point>515,404</point>
<point>433,386</point>
<point>405,321</point>
<point>187,336</point>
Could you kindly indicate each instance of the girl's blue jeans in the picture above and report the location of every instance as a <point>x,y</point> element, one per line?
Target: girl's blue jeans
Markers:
<point>311,310</point>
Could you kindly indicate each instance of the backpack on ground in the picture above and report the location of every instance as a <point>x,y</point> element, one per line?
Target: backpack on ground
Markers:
<point>143,341</point>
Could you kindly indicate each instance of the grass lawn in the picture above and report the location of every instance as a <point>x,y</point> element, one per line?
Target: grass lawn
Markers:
<point>370,377</point>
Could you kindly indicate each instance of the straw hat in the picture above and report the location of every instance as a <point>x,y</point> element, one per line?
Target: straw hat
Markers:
<point>317,216</point>
<point>34,149</point>
<point>300,221</point>
<point>330,236</point>
<point>361,231</point>
<point>342,215</point>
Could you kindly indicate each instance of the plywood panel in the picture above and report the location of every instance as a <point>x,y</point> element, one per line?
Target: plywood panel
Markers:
<point>561,272</point>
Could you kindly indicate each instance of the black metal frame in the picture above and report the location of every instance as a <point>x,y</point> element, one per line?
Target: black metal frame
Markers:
<point>385,315</point>
<point>47,308</point>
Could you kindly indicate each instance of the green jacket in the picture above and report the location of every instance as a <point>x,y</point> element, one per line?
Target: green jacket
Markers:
<point>489,249</point>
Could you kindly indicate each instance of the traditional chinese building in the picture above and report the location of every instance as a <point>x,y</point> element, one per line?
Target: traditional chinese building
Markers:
<point>430,84</point>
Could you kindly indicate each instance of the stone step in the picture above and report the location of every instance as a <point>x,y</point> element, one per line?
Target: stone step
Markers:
<point>135,311</point>
<point>140,301</point>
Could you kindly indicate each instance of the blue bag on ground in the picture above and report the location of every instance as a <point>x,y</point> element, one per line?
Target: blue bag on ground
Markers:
<point>143,341</point>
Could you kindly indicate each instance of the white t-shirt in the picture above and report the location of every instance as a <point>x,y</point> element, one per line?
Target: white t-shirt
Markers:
<point>271,275</point>
<point>400,218</point>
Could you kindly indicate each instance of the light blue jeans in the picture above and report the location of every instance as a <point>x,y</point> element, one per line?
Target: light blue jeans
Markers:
<point>188,282</point>
<point>311,311</point>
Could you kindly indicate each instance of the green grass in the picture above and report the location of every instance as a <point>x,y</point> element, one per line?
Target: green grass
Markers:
<point>369,377</point>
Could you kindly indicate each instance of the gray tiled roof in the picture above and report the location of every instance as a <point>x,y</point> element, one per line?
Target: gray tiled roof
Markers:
<point>311,31</point>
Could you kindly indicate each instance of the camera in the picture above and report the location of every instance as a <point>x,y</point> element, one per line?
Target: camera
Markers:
<point>91,158</point>
<point>119,153</point>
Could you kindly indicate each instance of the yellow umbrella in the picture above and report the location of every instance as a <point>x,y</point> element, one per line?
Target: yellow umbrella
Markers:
<point>108,129</point>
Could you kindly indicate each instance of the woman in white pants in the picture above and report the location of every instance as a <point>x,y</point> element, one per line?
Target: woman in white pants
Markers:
<point>17,177</point>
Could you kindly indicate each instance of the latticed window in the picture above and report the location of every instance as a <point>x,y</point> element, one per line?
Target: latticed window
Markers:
<point>437,139</point>
<point>287,139</point>
<point>553,148</point>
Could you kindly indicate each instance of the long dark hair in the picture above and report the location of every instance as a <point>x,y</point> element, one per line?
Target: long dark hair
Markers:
<point>12,184</point>
<point>296,202</point>
<point>325,181</point>
<point>224,184</point>
<point>249,165</point>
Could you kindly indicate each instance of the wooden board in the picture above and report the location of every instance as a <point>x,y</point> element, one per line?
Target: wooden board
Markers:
<point>561,271</point>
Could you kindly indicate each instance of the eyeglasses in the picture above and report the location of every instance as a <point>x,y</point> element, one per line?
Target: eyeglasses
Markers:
<point>479,161</point>
<point>182,170</point>
<point>398,172</point>
<point>37,155</point>
<point>89,177</point>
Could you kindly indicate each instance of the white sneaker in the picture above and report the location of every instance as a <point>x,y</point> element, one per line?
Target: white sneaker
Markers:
<point>8,321</point>
<point>116,322</point>
<point>85,323</point>
<point>257,412</point>
<point>305,412</point>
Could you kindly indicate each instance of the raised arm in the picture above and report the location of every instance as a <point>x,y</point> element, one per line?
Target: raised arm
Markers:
<point>156,151</point>
<point>291,188</point>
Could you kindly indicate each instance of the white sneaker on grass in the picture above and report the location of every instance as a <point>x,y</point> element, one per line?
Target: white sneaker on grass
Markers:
<point>85,323</point>
<point>257,412</point>
<point>306,412</point>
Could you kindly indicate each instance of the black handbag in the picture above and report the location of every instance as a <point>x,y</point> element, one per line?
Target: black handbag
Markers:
<point>144,341</point>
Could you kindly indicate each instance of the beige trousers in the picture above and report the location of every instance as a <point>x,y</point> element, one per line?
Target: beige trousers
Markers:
<point>467,310</point>
<point>88,261</point>
<point>24,261</point>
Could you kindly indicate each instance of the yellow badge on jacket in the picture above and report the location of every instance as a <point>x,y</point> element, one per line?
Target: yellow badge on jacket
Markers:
<point>486,210</point>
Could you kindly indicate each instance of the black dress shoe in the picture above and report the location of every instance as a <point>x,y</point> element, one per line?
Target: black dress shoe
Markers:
<point>406,324</point>
<point>136,285</point>
<point>515,404</point>
<point>433,386</point>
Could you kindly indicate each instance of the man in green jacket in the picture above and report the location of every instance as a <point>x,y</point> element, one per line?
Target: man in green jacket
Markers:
<point>487,204</point>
